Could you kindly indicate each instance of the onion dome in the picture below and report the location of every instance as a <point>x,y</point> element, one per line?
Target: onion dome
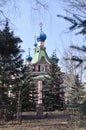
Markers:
<point>35,44</point>
<point>56,59</point>
<point>28,58</point>
<point>42,37</point>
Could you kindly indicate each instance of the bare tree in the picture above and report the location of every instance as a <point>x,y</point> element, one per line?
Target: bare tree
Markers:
<point>37,6</point>
<point>70,66</point>
<point>73,5</point>
<point>70,70</point>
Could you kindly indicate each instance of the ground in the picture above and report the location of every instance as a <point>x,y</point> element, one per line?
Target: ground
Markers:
<point>53,121</point>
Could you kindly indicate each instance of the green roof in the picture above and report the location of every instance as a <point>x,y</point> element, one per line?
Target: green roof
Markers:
<point>39,53</point>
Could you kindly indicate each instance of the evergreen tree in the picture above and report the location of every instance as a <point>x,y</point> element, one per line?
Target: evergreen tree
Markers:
<point>83,106</point>
<point>75,100</point>
<point>29,91</point>
<point>77,23</point>
<point>11,63</point>
<point>53,91</point>
<point>77,91</point>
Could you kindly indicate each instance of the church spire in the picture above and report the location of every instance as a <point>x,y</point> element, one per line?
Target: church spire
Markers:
<point>41,37</point>
<point>41,27</point>
<point>29,51</point>
<point>55,58</point>
<point>35,44</point>
<point>28,58</point>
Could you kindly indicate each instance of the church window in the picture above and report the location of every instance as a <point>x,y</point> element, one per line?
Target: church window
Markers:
<point>45,67</point>
<point>38,67</point>
<point>42,67</point>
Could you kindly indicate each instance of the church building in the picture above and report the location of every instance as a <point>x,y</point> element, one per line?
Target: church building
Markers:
<point>39,63</point>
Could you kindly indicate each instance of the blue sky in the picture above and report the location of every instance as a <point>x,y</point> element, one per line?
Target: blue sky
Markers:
<point>25,23</point>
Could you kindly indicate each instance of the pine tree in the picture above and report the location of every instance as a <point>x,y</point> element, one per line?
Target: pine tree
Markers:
<point>53,92</point>
<point>11,63</point>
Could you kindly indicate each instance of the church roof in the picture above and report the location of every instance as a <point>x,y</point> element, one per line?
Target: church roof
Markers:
<point>39,54</point>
